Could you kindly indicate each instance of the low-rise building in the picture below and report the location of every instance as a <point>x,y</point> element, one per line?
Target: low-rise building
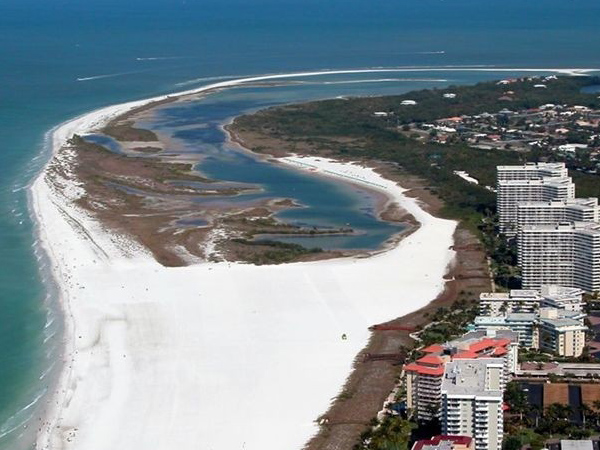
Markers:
<point>550,329</point>
<point>472,396</point>
<point>516,301</point>
<point>560,333</point>
<point>524,324</point>
<point>571,444</point>
<point>497,304</point>
<point>562,297</point>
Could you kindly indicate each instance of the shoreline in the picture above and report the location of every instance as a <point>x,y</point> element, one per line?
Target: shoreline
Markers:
<point>40,190</point>
<point>383,200</point>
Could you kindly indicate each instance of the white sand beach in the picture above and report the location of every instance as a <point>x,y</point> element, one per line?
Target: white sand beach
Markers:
<point>214,356</point>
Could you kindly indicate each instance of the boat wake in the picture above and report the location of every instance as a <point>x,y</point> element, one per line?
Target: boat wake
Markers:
<point>160,58</point>
<point>108,75</point>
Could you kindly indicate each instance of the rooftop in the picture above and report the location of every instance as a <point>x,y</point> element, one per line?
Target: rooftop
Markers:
<point>563,322</point>
<point>549,291</point>
<point>539,165</point>
<point>550,181</point>
<point>520,317</point>
<point>556,292</point>
<point>567,444</point>
<point>442,442</point>
<point>591,228</point>
<point>472,377</point>
<point>425,370</point>
<point>513,294</point>
<point>579,203</point>
<point>472,345</point>
<point>479,340</point>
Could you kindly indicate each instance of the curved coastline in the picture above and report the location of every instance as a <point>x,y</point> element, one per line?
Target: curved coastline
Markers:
<point>67,236</point>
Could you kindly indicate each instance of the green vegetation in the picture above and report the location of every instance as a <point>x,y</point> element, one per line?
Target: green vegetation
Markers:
<point>127,132</point>
<point>391,434</point>
<point>447,324</point>
<point>524,437</point>
<point>528,425</point>
<point>533,355</point>
<point>275,252</point>
<point>347,129</point>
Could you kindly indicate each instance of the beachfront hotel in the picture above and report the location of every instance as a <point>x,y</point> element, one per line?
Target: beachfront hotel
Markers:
<point>472,395</point>
<point>424,377</point>
<point>532,182</point>
<point>496,304</point>
<point>566,254</point>
<point>555,211</point>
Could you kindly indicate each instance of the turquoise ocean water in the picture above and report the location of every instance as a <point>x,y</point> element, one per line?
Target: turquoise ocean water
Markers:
<point>61,58</point>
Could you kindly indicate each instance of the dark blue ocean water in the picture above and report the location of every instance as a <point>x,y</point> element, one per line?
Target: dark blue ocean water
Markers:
<point>129,50</point>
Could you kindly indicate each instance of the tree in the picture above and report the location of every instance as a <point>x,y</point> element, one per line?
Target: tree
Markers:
<point>511,443</point>
<point>516,398</point>
<point>586,413</point>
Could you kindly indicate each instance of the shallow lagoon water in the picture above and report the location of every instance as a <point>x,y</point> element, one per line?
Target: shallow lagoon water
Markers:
<point>196,127</point>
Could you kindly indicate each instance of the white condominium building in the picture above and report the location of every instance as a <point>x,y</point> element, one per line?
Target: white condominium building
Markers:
<point>552,212</point>
<point>472,393</point>
<point>532,170</point>
<point>567,254</point>
<point>496,304</point>
<point>560,332</point>
<point>513,187</point>
<point>511,193</point>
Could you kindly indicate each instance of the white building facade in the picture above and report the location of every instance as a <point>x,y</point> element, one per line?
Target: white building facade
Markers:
<point>472,393</point>
<point>552,212</point>
<point>530,171</point>
<point>566,254</point>
<point>551,330</point>
<point>511,193</point>
<point>532,182</point>
<point>562,334</point>
<point>497,304</point>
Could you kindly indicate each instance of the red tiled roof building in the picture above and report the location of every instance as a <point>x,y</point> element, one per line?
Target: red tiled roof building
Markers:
<point>424,376</point>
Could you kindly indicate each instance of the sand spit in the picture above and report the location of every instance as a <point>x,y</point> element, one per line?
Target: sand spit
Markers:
<point>214,356</point>
<point>220,356</point>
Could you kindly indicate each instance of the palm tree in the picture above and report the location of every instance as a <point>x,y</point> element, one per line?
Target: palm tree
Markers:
<point>586,412</point>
